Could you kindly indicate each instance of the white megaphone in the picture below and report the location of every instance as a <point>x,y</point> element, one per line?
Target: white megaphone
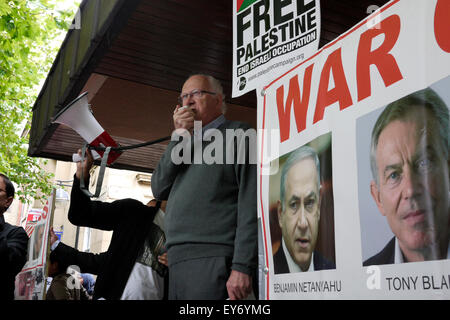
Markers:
<point>78,116</point>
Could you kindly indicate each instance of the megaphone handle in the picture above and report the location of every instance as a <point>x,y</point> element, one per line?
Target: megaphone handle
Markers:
<point>82,185</point>
<point>100,174</point>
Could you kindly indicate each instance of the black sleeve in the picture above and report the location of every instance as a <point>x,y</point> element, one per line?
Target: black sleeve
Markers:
<point>13,251</point>
<point>86,261</point>
<point>97,214</point>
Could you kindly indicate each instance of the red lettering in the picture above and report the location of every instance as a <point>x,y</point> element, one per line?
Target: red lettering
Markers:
<point>293,98</point>
<point>381,58</point>
<point>340,93</point>
<point>442,24</point>
<point>44,214</point>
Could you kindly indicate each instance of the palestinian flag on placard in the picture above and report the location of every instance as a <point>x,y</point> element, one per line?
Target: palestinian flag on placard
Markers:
<point>29,227</point>
<point>243,4</point>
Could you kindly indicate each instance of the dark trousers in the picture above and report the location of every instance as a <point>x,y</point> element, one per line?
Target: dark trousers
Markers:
<point>199,279</point>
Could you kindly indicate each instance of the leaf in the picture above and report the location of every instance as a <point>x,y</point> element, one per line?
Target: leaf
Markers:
<point>27,51</point>
<point>4,8</point>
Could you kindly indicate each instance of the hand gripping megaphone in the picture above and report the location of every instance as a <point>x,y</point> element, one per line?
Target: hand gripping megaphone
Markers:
<point>78,116</point>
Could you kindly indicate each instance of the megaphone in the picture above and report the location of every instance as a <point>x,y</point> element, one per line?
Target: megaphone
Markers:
<point>78,116</point>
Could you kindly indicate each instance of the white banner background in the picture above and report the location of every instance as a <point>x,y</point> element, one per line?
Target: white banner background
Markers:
<point>422,62</point>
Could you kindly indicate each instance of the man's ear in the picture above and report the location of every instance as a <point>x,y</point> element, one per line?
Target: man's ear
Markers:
<point>8,202</point>
<point>376,196</point>
<point>219,102</point>
<point>279,212</point>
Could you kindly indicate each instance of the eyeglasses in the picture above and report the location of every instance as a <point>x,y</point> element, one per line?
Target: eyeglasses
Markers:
<point>194,93</point>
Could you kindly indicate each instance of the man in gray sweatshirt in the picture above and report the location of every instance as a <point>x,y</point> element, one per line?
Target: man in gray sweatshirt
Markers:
<point>211,218</point>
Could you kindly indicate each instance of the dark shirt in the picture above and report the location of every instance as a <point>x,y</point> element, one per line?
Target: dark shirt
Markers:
<point>13,255</point>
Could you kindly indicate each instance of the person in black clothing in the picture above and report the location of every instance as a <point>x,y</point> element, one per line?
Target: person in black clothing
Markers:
<point>125,269</point>
<point>13,243</point>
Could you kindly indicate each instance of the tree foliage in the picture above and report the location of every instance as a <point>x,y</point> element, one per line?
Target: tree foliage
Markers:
<point>30,35</point>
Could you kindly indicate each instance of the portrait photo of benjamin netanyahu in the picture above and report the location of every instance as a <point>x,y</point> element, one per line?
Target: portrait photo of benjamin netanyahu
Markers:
<point>302,218</point>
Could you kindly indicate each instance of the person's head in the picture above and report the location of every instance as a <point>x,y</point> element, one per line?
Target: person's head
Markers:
<point>204,95</point>
<point>299,204</point>
<point>409,163</point>
<point>6,193</point>
<point>55,267</point>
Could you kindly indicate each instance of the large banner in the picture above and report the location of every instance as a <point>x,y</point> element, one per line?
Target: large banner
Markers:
<point>31,280</point>
<point>270,37</point>
<point>356,202</point>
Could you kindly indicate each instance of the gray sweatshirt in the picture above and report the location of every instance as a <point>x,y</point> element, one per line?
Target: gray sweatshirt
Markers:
<point>211,209</point>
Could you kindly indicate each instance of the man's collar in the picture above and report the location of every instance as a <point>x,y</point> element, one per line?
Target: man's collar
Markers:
<point>398,254</point>
<point>215,123</point>
<point>293,267</point>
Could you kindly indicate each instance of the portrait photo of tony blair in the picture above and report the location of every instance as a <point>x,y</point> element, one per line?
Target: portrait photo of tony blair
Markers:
<point>403,169</point>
